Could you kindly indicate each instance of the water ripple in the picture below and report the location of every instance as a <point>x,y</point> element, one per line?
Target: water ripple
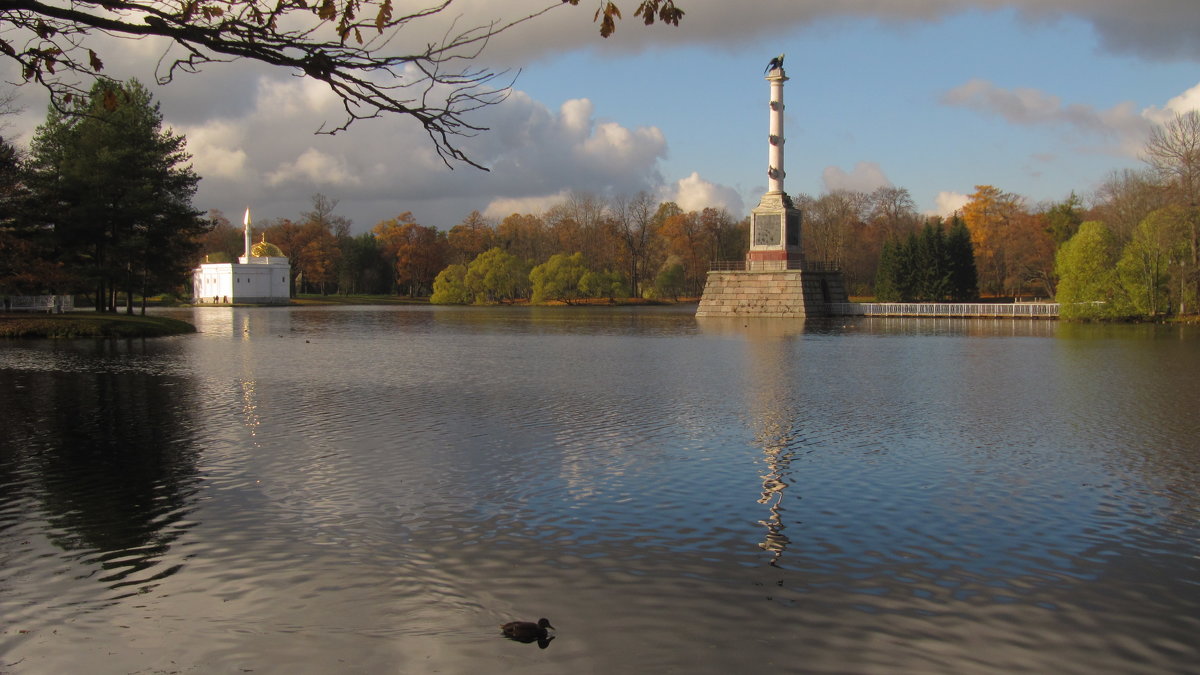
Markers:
<point>376,490</point>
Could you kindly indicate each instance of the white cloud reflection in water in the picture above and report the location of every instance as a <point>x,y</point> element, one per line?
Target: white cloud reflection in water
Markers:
<point>377,489</point>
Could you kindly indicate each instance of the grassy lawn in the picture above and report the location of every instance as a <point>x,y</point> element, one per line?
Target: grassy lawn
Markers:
<point>88,324</point>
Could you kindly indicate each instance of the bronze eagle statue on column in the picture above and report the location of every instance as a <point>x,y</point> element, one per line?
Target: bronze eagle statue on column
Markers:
<point>776,62</point>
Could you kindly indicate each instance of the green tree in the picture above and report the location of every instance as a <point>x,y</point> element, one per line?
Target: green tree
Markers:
<point>1064,218</point>
<point>670,280</point>
<point>608,284</point>
<point>1159,243</point>
<point>928,265</point>
<point>558,278</point>
<point>964,280</point>
<point>889,282</point>
<point>450,287</point>
<point>1173,151</point>
<point>364,269</point>
<point>26,264</point>
<point>1086,268</point>
<point>117,191</point>
<point>497,276</point>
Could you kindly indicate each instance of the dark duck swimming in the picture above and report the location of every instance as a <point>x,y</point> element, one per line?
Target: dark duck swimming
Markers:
<point>528,631</point>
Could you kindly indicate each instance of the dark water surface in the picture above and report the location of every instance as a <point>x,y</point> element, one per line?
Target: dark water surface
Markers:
<point>375,490</point>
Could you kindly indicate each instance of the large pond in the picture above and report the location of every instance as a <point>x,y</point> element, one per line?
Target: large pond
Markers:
<point>375,490</point>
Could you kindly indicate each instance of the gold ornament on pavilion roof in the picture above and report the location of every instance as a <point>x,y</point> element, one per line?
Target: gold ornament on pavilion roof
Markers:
<point>265,249</point>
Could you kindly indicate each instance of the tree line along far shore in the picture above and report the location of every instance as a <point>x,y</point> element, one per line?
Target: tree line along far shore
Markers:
<point>101,205</point>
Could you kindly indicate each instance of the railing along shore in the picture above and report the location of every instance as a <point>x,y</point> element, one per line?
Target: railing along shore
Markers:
<point>1045,310</point>
<point>51,304</point>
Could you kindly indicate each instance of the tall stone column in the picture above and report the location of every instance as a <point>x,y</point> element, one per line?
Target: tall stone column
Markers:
<point>775,222</point>
<point>775,172</point>
<point>774,282</point>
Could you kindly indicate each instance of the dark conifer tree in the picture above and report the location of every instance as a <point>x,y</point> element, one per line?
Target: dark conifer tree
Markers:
<point>963,278</point>
<point>887,278</point>
<point>116,191</point>
<point>929,265</point>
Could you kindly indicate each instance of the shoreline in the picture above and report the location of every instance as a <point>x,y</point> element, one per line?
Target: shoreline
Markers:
<point>89,325</point>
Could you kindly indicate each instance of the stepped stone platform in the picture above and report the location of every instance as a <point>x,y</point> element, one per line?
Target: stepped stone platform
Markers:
<point>780,293</point>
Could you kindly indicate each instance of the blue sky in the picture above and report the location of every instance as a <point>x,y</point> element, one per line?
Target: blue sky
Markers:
<point>1037,97</point>
<point>864,91</point>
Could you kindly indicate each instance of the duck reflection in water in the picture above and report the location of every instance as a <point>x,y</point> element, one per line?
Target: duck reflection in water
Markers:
<point>528,631</point>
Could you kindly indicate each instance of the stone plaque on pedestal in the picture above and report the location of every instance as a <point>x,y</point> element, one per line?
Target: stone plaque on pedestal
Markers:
<point>774,233</point>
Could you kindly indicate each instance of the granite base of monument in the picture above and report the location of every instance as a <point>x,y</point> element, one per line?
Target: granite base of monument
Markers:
<point>781,293</point>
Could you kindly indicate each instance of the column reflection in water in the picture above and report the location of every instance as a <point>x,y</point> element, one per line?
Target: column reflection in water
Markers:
<point>773,409</point>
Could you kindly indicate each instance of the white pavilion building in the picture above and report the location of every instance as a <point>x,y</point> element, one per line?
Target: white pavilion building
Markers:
<point>258,277</point>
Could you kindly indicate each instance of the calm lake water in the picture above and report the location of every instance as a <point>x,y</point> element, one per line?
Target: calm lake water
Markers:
<point>375,490</point>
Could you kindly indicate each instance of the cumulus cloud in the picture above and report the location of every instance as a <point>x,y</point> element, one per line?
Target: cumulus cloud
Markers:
<point>250,126</point>
<point>1185,102</point>
<point>216,149</point>
<point>695,193</point>
<point>1158,29</point>
<point>316,168</point>
<point>269,155</point>
<point>1024,106</point>
<point>946,203</point>
<point>502,207</point>
<point>864,177</point>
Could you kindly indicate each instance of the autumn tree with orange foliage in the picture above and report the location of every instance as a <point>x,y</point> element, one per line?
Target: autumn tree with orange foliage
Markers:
<point>417,252</point>
<point>312,250</point>
<point>989,214</point>
<point>525,236</point>
<point>468,239</point>
<point>1031,256</point>
<point>686,240</point>
<point>320,257</point>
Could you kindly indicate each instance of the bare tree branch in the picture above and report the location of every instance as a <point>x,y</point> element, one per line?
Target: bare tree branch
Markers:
<point>347,44</point>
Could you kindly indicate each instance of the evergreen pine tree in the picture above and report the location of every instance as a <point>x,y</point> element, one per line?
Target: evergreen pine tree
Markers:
<point>116,190</point>
<point>887,278</point>
<point>963,279</point>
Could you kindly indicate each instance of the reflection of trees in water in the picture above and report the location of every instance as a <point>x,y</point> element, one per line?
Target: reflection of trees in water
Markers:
<point>110,457</point>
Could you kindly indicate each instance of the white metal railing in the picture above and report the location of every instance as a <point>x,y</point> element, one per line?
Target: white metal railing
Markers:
<point>1047,310</point>
<point>51,304</point>
<point>772,265</point>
